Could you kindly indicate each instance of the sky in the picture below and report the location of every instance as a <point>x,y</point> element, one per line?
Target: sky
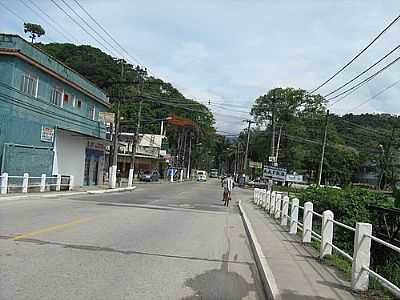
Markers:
<point>230,52</point>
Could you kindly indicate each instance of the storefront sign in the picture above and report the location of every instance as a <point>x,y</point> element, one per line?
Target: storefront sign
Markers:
<point>149,151</point>
<point>95,146</point>
<point>107,117</point>
<point>47,134</point>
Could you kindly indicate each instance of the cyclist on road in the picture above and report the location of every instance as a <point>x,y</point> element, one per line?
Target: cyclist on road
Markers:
<point>228,187</point>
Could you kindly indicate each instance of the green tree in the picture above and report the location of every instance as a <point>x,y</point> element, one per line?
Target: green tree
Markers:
<point>35,30</point>
<point>159,98</point>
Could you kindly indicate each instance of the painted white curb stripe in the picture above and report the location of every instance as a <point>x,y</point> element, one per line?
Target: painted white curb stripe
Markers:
<point>55,195</point>
<point>267,278</point>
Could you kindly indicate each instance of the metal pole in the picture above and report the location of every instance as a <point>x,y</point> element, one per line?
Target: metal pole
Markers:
<point>136,137</point>
<point>247,147</point>
<point>116,133</point>
<point>323,149</point>
<point>189,157</point>
<point>277,147</point>
<point>273,125</point>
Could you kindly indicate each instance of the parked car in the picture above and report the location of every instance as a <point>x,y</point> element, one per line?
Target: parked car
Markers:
<point>150,176</point>
<point>201,175</point>
<point>213,173</point>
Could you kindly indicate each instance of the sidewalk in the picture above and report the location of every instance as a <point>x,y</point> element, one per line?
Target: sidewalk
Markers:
<point>95,189</point>
<point>292,269</point>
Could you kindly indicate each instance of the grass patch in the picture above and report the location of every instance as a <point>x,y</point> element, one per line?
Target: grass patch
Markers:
<point>376,291</point>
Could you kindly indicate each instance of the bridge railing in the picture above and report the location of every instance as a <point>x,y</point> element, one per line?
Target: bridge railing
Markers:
<point>277,206</point>
<point>27,183</point>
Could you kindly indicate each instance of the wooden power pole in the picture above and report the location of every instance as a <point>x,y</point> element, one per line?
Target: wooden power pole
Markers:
<point>323,149</point>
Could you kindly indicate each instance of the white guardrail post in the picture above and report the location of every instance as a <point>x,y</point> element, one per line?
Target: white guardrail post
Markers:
<point>307,222</point>
<point>43,183</point>
<point>278,203</point>
<point>4,183</point>
<point>25,182</point>
<point>58,183</point>
<point>326,233</point>
<point>294,216</point>
<point>255,195</point>
<point>71,183</point>
<point>361,257</point>
<point>285,210</point>
<point>130,178</point>
<point>267,200</point>
<point>264,202</point>
<point>261,203</point>
<point>272,206</point>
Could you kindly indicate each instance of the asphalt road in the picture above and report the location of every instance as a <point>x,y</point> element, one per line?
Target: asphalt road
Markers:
<point>162,241</point>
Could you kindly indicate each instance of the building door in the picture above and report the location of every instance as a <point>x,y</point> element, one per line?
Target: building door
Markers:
<point>87,168</point>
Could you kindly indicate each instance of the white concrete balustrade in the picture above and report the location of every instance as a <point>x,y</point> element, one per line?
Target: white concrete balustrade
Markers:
<point>27,182</point>
<point>280,207</point>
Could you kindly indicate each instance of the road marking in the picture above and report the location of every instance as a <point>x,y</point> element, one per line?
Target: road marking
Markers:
<point>48,229</point>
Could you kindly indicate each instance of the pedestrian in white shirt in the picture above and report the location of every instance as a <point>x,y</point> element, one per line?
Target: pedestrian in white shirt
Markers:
<point>228,187</point>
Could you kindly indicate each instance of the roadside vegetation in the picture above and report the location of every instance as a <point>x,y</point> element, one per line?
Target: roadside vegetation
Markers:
<point>351,205</point>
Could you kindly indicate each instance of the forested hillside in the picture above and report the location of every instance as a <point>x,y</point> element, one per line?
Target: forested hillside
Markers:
<point>160,98</point>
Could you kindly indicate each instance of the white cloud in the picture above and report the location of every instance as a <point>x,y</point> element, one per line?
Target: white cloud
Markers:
<point>232,51</point>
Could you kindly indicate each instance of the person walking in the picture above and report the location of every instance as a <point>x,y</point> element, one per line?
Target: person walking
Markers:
<point>228,187</point>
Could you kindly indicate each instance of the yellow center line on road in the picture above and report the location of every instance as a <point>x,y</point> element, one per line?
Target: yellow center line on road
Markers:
<point>48,229</point>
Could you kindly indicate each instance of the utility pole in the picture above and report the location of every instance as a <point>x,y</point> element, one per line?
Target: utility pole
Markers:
<point>247,146</point>
<point>385,159</point>
<point>323,149</point>
<point>189,157</point>
<point>113,169</point>
<point>136,137</point>
<point>273,124</point>
<point>278,147</point>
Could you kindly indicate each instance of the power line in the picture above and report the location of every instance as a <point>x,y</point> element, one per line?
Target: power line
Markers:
<point>358,55</point>
<point>376,95</point>
<point>360,84</point>
<point>62,31</point>
<point>363,72</point>
<point>12,12</point>
<point>360,126</point>
<point>88,25</point>
<point>23,21</point>
<point>83,28</point>
<point>108,34</point>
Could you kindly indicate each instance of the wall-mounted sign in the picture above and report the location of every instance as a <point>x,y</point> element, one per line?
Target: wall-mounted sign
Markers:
<point>47,134</point>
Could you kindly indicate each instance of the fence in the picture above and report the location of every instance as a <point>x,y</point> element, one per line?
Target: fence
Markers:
<point>28,183</point>
<point>278,206</point>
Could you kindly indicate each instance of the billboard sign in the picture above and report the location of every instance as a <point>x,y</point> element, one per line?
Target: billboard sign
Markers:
<point>294,178</point>
<point>278,174</point>
<point>255,165</point>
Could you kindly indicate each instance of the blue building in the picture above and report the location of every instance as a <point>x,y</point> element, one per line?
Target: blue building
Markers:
<point>50,116</point>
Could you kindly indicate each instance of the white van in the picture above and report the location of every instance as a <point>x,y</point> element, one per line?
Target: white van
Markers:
<point>201,175</point>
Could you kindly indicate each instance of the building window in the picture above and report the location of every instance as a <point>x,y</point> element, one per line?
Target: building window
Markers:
<point>29,85</point>
<point>91,112</point>
<point>66,98</point>
<point>79,103</point>
<point>56,96</point>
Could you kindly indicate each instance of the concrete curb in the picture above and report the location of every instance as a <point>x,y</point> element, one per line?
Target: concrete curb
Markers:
<point>116,190</point>
<point>267,278</point>
<point>55,195</point>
